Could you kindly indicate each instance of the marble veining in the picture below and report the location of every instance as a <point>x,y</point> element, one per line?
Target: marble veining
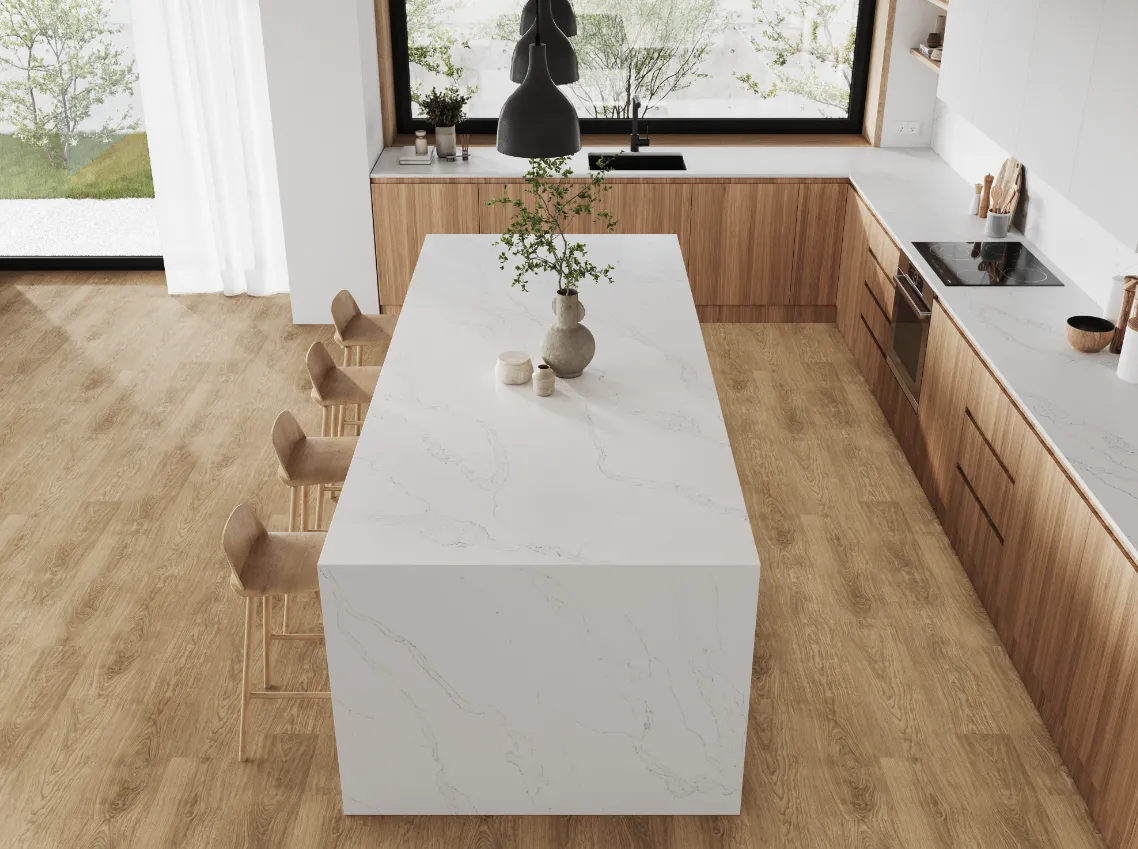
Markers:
<point>542,605</point>
<point>1087,415</point>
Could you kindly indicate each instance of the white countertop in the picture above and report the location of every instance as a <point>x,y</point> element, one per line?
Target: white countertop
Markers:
<point>1083,410</point>
<point>628,464</point>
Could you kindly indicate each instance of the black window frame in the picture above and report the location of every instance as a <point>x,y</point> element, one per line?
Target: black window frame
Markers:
<point>851,124</point>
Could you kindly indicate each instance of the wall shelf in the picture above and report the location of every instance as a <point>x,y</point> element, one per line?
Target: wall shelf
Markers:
<point>913,51</point>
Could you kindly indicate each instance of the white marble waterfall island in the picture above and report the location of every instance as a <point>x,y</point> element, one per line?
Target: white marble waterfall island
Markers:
<point>542,605</point>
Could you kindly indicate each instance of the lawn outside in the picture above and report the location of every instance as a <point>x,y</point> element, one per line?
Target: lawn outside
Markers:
<point>118,170</point>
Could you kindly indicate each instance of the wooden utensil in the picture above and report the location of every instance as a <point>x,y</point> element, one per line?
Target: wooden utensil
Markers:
<point>986,196</point>
<point>1129,288</point>
<point>1009,179</point>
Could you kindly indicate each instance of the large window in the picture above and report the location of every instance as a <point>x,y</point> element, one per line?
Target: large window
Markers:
<point>697,65</point>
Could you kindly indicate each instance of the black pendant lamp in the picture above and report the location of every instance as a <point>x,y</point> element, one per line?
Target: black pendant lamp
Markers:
<point>537,121</point>
<point>563,16</point>
<point>561,59</point>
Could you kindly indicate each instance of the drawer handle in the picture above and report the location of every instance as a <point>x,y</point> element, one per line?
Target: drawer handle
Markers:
<point>869,330</point>
<point>876,302</point>
<point>980,504</point>
<point>968,415</point>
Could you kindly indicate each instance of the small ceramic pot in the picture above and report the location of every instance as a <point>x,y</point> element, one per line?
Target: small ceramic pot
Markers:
<point>513,367</point>
<point>996,224</point>
<point>543,380</point>
<point>444,141</point>
<point>421,142</point>
<point>1089,334</point>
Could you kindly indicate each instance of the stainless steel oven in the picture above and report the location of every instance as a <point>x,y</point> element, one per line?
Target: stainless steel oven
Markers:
<point>912,311</point>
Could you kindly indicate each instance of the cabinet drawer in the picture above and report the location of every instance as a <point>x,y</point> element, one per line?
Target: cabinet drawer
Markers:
<point>998,420</point>
<point>991,482</point>
<point>976,540</point>
<point>881,284</point>
<point>881,246</point>
<point>873,313</point>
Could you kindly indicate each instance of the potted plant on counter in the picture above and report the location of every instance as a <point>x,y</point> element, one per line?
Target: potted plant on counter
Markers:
<point>444,109</point>
<point>536,240</point>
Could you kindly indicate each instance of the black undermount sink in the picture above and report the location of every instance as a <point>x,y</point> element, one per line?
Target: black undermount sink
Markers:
<point>640,161</point>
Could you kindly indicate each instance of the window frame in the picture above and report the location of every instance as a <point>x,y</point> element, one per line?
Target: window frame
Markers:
<point>851,124</point>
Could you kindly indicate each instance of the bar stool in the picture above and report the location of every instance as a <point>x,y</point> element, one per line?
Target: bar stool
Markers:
<point>305,462</point>
<point>356,331</point>
<point>263,565</point>
<point>335,387</point>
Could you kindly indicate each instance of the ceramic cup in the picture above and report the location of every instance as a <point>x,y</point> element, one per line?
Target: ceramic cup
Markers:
<point>996,224</point>
<point>543,380</point>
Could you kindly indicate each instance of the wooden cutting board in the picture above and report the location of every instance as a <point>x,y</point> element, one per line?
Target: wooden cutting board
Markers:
<point>1008,180</point>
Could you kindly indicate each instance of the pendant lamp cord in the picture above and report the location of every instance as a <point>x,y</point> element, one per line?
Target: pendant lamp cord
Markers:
<point>537,24</point>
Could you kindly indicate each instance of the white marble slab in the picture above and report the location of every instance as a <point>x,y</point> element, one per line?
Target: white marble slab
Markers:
<point>1087,415</point>
<point>542,605</point>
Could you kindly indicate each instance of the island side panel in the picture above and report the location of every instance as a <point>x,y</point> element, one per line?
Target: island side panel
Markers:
<point>524,690</point>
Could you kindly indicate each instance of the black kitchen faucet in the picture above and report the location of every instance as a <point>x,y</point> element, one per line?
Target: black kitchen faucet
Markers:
<point>636,141</point>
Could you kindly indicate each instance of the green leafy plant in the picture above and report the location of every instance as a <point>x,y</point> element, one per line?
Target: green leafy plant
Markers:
<point>444,108</point>
<point>536,237</point>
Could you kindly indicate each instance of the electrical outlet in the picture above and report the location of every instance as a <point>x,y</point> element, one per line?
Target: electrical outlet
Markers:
<point>907,128</point>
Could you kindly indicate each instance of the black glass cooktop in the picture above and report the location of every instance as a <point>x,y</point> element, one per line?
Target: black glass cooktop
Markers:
<point>986,264</point>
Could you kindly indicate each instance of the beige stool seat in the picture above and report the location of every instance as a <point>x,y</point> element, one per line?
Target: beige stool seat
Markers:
<point>356,330</point>
<point>281,563</point>
<point>262,565</point>
<point>317,460</point>
<point>337,387</point>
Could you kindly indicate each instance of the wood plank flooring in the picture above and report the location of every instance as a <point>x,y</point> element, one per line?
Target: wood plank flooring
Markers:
<point>884,711</point>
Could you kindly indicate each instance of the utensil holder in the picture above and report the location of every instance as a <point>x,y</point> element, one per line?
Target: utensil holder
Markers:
<point>996,224</point>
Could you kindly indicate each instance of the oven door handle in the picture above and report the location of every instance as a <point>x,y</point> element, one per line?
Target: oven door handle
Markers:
<point>905,288</point>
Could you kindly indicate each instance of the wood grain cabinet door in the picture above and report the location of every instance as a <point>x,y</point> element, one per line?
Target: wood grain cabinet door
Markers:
<point>403,215</point>
<point>855,248</point>
<point>946,384</point>
<point>819,228</point>
<point>741,242</point>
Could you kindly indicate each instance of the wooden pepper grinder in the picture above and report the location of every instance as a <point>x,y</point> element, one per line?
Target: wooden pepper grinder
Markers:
<point>986,196</point>
<point>1129,288</point>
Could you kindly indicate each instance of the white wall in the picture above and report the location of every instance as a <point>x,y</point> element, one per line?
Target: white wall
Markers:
<point>910,93</point>
<point>324,98</point>
<point>1056,84</point>
<point>1082,248</point>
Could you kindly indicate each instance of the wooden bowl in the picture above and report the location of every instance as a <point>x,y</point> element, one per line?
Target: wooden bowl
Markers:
<point>1089,334</point>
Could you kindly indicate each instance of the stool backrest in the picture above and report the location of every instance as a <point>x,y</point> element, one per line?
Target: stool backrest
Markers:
<point>242,531</point>
<point>344,309</point>
<point>319,363</point>
<point>287,434</point>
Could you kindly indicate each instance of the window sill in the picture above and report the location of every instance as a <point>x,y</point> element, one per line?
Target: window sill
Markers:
<point>697,140</point>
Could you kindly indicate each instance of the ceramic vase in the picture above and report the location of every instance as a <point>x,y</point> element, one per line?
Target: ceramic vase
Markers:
<point>543,380</point>
<point>444,142</point>
<point>568,345</point>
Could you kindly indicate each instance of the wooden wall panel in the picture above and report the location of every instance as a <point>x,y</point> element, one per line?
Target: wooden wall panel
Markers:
<point>731,231</point>
<point>403,215</point>
<point>818,239</point>
<point>386,74</point>
<point>878,70</point>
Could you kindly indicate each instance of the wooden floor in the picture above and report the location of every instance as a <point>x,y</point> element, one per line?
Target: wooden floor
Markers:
<point>884,711</point>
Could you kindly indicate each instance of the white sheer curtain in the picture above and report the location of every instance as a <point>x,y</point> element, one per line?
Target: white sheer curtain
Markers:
<point>202,70</point>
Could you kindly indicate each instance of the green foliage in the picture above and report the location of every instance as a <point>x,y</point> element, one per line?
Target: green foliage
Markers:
<point>118,170</point>
<point>431,46</point>
<point>65,66</point>
<point>536,238</point>
<point>797,59</point>
<point>444,108</point>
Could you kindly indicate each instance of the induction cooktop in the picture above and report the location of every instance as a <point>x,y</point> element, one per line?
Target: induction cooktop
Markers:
<point>986,264</point>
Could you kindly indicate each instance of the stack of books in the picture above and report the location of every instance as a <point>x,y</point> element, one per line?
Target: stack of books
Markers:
<point>409,157</point>
<point>933,53</point>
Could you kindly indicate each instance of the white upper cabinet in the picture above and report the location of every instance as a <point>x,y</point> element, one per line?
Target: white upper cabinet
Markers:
<point>1054,83</point>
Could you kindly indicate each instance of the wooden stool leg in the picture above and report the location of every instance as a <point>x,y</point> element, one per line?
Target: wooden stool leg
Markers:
<point>304,511</point>
<point>266,636</point>
<point>359,359</point>
<point>324,419</point>
<point>246,650</point>
<point>320,507</point>
<point>292,509</point>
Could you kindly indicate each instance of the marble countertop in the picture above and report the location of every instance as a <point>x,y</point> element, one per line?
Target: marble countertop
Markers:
<point>627,465</point>
<point>1088,415</point>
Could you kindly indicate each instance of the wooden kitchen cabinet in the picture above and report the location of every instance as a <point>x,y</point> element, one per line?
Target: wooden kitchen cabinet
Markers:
<point>818,240</point>
<point>741,237</point>
<point>855,247</point>
<point>403,214</point>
